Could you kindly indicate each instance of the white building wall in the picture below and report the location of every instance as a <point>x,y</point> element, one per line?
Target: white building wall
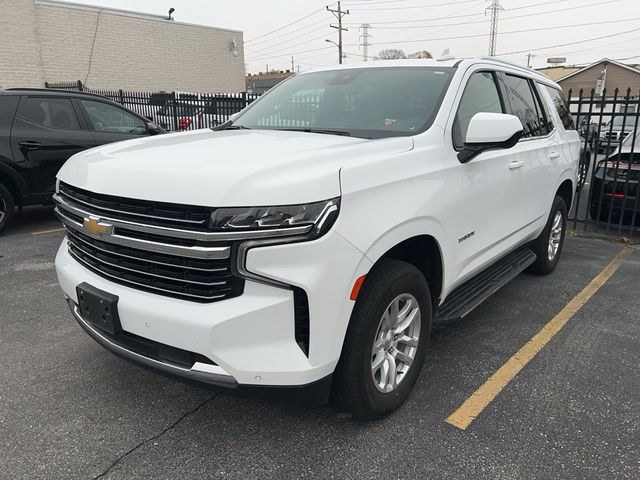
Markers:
<point>130,51</point>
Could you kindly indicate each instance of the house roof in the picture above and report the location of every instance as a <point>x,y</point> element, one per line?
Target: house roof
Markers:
<point>631,68</point>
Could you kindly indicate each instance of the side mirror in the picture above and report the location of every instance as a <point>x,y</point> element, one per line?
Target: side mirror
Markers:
<point>490,131</point>
<point>153,129</point>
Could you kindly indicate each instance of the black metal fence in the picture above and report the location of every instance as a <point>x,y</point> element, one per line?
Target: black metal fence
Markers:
<point>173,111</point>
<point>608,195</point>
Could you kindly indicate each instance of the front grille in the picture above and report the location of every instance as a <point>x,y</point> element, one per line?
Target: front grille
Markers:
<point>154,247</point>
<point>186,217</point>
<point>179,277</point>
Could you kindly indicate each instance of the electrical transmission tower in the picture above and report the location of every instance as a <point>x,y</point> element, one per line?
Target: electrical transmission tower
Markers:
<point>493,35</point>
<point>364,39</point>
<point>339,13</point>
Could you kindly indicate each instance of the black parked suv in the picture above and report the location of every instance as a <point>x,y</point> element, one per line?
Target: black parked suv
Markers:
<point>41,129</point>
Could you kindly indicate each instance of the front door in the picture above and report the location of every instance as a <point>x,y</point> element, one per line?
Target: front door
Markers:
<point>109,123</point>
<point>45,133</point>
<point>490,188</point>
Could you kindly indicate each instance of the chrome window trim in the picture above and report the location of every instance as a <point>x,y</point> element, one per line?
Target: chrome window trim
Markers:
<point>183,234</point>
<point>157,247</point>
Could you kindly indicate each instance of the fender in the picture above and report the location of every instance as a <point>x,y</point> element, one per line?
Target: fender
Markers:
<point>413,228</point>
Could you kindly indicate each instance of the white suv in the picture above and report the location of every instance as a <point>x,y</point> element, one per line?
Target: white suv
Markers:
<point>305,247</point>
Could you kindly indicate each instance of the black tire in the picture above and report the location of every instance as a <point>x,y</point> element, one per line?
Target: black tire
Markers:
<point>583,169</point>
<point>543,264</point>
<point>7,207</point>
<point>353,388</point>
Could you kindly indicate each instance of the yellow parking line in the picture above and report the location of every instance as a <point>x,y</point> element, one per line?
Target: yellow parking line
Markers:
<point>43,232</point>
<point>483,396</point>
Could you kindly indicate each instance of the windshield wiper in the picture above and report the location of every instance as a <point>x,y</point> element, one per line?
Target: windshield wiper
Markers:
<point>325,131</point>
<point>231,127</point>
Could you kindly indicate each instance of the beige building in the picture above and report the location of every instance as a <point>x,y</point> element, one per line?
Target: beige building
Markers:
<point>611,73</point>
<point>50,41</point>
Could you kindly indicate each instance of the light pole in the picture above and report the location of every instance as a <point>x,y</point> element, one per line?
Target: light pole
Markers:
<point>342,55</point>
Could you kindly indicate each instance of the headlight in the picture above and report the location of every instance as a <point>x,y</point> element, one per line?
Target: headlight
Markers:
<point>317,217</point>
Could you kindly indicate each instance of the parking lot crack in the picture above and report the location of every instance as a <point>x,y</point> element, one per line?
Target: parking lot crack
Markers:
<point>194,410</point>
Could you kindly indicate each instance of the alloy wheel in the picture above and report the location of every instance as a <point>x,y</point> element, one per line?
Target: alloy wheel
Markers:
<point>555,236</point>
<point>396,342</point>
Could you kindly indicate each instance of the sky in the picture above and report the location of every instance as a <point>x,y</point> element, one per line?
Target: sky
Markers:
<point>583,31</point>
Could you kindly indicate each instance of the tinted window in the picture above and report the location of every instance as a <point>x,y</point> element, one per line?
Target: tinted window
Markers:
<point>480,95</point>
<point>546,120</point>
<point>523,106</point>
<point>364,102</point>
<point>108,118</point>
<point>562,107</point>
<point>50,112</point>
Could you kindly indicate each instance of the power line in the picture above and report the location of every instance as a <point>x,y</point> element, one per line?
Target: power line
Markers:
<point>413,6</point>
<point>568,43</point>
<point>285,26</point>
<point>501,18</point>
<point>511,32</point>
<point>285,34</point>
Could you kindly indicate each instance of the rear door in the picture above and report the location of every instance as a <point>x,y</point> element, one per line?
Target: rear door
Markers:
<point>537,152</point>
<point>45,133</point>
<point>109,123</point>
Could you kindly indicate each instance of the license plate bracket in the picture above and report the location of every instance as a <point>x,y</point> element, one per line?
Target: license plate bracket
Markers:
<point>99,308</point>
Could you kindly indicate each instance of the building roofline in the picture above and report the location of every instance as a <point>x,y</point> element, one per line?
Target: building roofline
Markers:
<point>604,60</point>
<point>125,13</point>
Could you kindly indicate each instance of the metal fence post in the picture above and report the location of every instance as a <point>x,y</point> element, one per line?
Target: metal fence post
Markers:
<point>174,108</point>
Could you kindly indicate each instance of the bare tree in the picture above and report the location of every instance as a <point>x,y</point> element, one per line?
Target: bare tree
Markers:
<point>421,54</point>
<point>391,54</point>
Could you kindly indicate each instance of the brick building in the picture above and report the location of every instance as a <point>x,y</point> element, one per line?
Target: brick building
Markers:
<point>50,41</point>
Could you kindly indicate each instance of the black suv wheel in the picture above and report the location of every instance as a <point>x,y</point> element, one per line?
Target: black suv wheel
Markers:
<point>7,207</point>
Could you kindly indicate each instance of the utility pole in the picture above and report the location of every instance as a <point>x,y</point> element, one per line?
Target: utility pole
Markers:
<point>493,34</point>
<point>339,13</point>
<point>529,57</point>
<point>292,65</point>
<point>364,36</point>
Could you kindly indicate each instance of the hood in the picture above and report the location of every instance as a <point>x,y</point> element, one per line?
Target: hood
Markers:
<point>224,168</point>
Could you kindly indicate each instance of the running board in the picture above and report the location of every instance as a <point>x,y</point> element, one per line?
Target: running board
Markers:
<point>473,292</point>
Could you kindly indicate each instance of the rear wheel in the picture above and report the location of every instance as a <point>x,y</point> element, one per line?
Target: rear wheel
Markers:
<point>548,246</point>
<point>386,342</point>
<point>7,207</point>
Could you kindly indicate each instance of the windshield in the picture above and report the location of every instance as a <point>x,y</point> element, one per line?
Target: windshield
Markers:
<point>363,102</point>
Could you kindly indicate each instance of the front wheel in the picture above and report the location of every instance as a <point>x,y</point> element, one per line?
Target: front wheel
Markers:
<point>548,246</point>
<point>386,341</point>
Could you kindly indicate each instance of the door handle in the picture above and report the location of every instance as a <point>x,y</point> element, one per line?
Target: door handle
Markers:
<point>554,156</point>
<point>30,145</point>
<point>516,164</point>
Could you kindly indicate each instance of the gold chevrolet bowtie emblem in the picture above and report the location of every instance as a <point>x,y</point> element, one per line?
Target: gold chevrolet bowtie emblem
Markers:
<point>96,227</point>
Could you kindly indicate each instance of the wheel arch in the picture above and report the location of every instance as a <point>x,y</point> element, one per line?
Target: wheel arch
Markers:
<point>566,191</point>
<point>12,181</point>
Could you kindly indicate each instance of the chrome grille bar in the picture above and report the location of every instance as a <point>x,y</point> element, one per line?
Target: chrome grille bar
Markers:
<point>142,272</point>
<point>76,238</point>
<point>68,205</point>
<point>166,248</point>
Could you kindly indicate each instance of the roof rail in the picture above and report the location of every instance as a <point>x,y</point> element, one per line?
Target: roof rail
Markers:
<point>53,90</point>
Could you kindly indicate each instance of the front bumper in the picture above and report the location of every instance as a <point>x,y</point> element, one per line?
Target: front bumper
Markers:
<point>250,338</point>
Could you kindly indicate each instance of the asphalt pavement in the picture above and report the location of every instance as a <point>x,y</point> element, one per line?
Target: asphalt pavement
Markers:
<point>71,410</point>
